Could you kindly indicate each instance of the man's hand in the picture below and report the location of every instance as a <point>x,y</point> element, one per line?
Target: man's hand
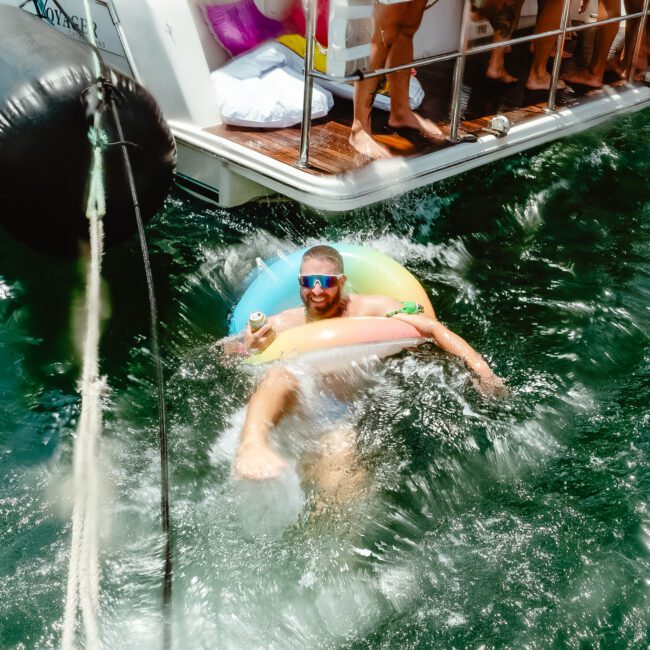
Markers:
<point>257,461</point>
<point>260,339</point>
<point>490,385</point>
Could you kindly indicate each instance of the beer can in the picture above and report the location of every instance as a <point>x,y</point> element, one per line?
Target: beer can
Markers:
<point>256,320</point>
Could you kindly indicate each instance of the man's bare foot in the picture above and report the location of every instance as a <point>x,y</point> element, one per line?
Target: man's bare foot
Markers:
<point>500,74</point>
<point>411,120</point>
<point>257,461</point>
<point>617,67</point>
<point>583,77</point>
<point>363,143</point>
<point>542,83</point>
<point>639,71</point>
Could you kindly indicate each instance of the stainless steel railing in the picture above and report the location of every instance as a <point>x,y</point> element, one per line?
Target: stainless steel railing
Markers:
<point>459,72</point>
<point>310,22</point>
<point>459,56</point>
<point>557,61</point>
<point>637,41</point>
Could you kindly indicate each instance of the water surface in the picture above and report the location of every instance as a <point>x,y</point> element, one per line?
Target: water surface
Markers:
<point>516,523</point>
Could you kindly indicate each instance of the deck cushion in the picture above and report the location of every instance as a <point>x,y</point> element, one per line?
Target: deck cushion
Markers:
<point>260,89</point>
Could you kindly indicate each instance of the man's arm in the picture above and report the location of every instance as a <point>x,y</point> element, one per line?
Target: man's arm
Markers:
<point>444,338</point>
<point>247,342</point>
<point>431,327</point>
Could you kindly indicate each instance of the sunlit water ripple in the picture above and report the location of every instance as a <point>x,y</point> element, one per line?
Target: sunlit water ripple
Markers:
<point>519,523</point>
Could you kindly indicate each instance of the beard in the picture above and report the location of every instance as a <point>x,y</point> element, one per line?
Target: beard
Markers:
<point>329,308</point>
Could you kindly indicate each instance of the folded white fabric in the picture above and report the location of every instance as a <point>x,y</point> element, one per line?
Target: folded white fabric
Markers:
<point>260,89</point>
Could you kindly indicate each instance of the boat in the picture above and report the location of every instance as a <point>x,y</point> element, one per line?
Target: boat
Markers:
<point>169,47</point>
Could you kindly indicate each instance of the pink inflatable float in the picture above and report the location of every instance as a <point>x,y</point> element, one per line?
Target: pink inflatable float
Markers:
<point>240,26</point>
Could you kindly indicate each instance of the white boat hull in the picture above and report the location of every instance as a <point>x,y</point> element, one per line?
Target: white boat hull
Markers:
<point>167,46</point>
<point>239,174</point>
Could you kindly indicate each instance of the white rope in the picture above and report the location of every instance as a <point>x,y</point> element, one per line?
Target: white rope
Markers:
<point>83,573</point>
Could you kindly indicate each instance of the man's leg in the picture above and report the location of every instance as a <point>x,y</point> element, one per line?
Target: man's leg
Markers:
<point>593,75</point>
<point>275,396</point>
<point>364,95</point>
<point>631,30</point>
<point>503,18</point>
<point>548,19</point>
<point>335,473</point>
<point>402,21</point>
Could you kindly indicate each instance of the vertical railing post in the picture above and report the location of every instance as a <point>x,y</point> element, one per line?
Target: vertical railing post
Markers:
<point>459,71</point>
<point>631,64</point>
<point>310,20</point>
<point>557,62</point>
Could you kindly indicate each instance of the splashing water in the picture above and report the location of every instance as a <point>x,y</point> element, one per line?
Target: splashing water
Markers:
<point>477,523</point>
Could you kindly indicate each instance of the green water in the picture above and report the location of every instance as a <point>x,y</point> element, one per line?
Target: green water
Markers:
<point>523,523</point>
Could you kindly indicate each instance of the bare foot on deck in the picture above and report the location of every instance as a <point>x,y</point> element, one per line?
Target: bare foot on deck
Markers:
<point>257,461</point>
<point>535,82</point>
<point>497,73</point>
<point>583,77</point>
<point>410,120</point>
<point>617,67</point>
<point>367,146</point>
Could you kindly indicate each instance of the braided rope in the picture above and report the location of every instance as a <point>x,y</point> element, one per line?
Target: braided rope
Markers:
<point>83,573</point>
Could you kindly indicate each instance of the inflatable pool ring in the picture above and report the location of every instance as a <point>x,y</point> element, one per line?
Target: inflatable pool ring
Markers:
<point>334,343</point>
<point>330,343</point>
<point>240,26</point>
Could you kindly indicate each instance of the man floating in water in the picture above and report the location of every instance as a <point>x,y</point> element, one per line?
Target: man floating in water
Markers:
<point>322,281</point>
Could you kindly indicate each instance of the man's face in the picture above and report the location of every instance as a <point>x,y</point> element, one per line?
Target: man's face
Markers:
<point>319,302</point>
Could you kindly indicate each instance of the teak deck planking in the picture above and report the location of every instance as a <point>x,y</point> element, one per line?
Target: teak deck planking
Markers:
<point>331,153</point>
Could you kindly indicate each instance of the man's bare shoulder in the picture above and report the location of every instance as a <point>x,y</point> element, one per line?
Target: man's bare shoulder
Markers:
<point>370,305</point>
<point>288,318</point>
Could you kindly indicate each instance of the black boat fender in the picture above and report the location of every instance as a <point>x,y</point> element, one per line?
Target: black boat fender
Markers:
<point>45,152</point>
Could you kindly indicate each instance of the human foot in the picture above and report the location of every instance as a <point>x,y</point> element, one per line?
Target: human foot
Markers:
<point>617,67</point>
<point>500,74</point>
<point>257,461</point>
<point>584,77</point>
<point>363,143</point>
<point>535,82</point>
<point>411,120</point>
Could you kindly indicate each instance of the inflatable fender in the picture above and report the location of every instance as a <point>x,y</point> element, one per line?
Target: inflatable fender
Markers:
<point>45,153</point>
